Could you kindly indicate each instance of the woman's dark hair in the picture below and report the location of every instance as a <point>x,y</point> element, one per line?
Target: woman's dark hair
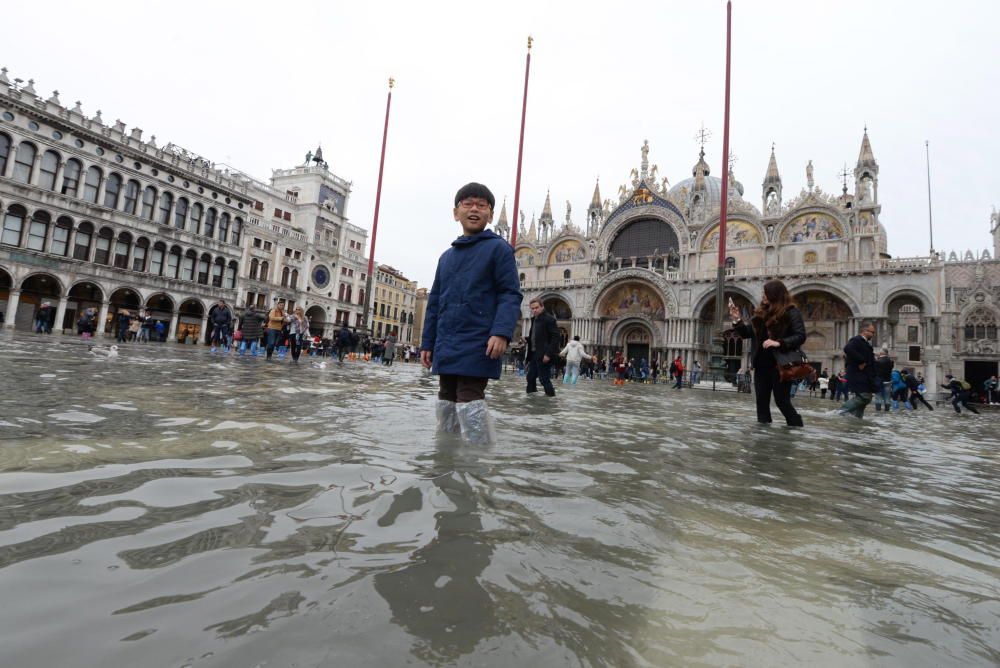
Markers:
<point>778,303</point>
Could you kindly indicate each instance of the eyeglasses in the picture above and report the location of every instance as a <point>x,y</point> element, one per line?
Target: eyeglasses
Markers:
<point>474,204</point>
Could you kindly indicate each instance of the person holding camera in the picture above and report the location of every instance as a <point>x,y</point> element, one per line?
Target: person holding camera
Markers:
<point>776,325</point>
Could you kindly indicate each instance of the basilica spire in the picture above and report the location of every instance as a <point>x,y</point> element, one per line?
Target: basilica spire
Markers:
<point>866,175</point>
<point>595,212</point>
<point>503,226</point>
<point>771,188</point>
<point>546,221</point>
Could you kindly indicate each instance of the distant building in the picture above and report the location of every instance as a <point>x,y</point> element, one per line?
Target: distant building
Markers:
<point>419,313</point>
<point>393,304</point>
<point>638,275</point>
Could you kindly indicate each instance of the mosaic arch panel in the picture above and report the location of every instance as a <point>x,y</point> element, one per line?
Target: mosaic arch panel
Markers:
<point>525,257</point>
<point>818,305</point>
<point>632,298</point>
<point>739,234</point>
<point>812,227</point>
<point>570,250</point>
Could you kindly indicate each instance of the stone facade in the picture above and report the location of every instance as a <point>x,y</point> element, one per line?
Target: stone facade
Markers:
<point>394,304</point>
<point>639,275</point>
<point>95,216</point>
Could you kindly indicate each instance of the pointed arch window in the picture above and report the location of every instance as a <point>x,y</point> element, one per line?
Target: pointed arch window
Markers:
<point>980,324</point>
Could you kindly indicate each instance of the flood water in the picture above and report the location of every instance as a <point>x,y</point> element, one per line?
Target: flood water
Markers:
<point>176,508</point>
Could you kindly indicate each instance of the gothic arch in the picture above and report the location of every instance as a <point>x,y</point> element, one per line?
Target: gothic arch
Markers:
<point>608,281</point>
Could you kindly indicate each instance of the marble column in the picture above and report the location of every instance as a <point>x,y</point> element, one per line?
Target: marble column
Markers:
<point>35,168</point>
<point>102,318</point>
<point>60,314</point>
<point>204,328</point>
<point>10,312</point>
<point>172,330</point>
<point>60,172</point>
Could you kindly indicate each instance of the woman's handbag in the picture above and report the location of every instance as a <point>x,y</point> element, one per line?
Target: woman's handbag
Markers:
<point>793,365</point>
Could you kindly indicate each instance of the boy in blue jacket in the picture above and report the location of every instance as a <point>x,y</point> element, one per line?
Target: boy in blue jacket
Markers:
<point>472,309</point>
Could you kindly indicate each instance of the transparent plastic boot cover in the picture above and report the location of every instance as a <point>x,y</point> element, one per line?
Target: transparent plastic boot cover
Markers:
<point>447,420</point>
<point>477,423</point>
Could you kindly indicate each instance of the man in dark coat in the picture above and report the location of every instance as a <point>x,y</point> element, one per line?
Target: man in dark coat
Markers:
<point>472,308</point>
<point>543,348</point>
<point>883,372</point>
<point>222,320</point>
<point>861,372</point>
<point>253,329</point>
<point>345,342</point>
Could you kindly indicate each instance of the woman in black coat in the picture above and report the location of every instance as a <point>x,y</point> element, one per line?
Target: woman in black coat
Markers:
<point>776,324</point>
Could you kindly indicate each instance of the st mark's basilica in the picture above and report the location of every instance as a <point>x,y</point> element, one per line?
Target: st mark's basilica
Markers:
<point>639,274</point>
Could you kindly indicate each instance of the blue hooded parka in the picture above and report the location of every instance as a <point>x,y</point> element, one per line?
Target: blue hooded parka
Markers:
<point>476,295</point>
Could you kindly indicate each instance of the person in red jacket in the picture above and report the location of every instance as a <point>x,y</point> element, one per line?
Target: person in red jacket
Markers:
<point>677,369</point>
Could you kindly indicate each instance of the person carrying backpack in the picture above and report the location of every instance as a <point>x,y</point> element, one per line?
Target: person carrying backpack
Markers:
<point>961,392</point>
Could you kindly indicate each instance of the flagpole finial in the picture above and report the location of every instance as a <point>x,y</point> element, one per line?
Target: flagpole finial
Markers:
<point>392,83</point>
<point>530,40</point>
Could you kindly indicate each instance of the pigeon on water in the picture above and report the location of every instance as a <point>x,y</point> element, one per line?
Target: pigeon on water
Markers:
<point>103,353</point>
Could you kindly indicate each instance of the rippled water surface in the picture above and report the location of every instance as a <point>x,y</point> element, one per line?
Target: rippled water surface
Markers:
<point>175,508</point>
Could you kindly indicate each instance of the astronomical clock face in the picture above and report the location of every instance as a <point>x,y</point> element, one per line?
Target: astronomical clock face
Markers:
<point>321,276</point>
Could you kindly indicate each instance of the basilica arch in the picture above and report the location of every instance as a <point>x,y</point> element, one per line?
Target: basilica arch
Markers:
<point>646,235</point>
<point>600,291</point>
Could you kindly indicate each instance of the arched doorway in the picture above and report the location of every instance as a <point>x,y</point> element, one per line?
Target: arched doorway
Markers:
<point>123,301</point>
<point>35,291</point>
<point>317,320</point>
<point>636,341</point>
<point>161,309</point>
<point>6,283</point>
<point>828,327</point>
<point>189,318</point>
<point>83,296</point>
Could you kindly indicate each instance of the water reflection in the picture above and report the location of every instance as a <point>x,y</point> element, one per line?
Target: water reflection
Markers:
<point>175,508</point>
<point>438,596</point>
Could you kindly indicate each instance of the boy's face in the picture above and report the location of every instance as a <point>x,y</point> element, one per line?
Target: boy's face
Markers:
<point>474,213</point>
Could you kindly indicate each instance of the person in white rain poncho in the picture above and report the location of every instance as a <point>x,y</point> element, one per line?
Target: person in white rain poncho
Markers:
<point>574,353</point>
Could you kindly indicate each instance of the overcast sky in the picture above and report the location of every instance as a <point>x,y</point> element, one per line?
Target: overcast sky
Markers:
<point>257,84</point>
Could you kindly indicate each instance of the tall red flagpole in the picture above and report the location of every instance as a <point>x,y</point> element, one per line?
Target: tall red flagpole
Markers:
<point>520,148</point>
<point>720,308</point>
<point>378,201</point>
